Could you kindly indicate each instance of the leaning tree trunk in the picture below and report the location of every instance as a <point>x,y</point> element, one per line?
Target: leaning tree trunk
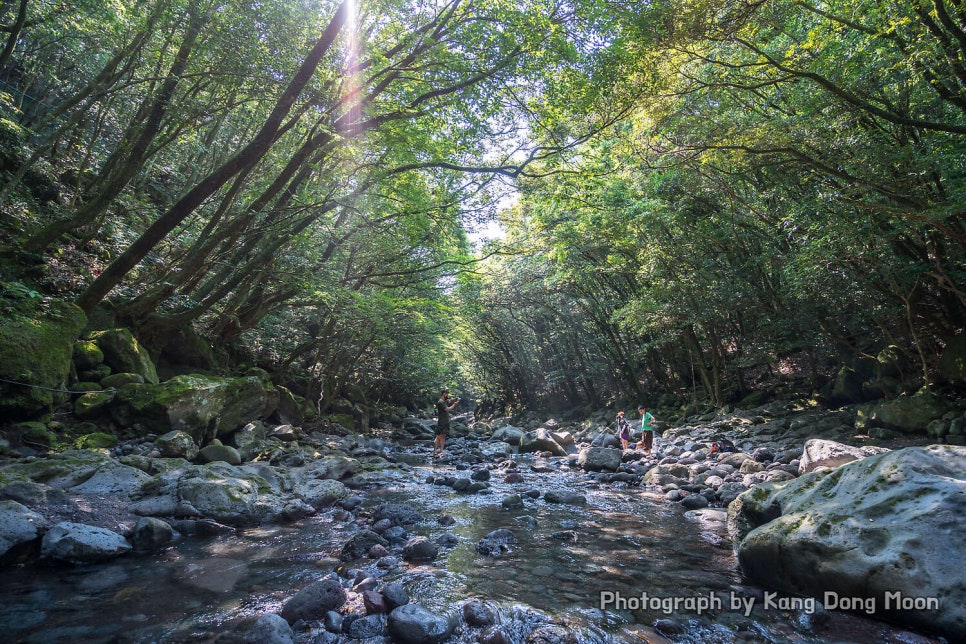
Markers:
<point>245,159</point>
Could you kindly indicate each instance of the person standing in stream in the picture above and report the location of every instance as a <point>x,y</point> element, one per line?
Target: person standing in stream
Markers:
<point>647,431</point>
<point>443,408</point>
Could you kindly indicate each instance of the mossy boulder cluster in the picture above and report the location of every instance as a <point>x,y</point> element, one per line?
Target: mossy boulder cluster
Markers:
<point>36,347</point>
<point>109,378</point>
<point>881,533</point>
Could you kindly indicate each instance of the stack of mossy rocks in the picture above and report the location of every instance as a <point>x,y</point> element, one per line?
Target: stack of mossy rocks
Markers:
<point>114,383</point>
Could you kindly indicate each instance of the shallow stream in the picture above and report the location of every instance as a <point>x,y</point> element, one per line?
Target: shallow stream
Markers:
<point>622,544</point>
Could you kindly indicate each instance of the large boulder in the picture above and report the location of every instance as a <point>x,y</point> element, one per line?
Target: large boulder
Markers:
<point>113,479</point>
<point>847,387</point>
<point>229,494</point>
<point>541,440</point>
<point>952,364</point>
<point>597,459</point>
<point>36,348</point>
<point>79,543</point>
<point>908,413</point>
<point>823,453</point>
<point>882,529</point>
<point>195,404</point>
<point>508,434</point>
<point>124,354</point>
<point>18,525</point>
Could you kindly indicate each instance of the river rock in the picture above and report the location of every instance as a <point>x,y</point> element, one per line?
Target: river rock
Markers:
<point>50,327</point>
<point>694,501</point>
<point>496,542</point>
<point>87,355</point>
<point>200,405</point>
<point>666,474</point>
<point>314,601</point>
<point>216,451</point>
<point>177,444</point>
<point>551,634</point>
<point>19,524</point>
<point>368,627</point>
<point>361,543</point>
<point>220,495</point>
<point>420,549</point>
<point>271,629</point>
<point>151,533</point>
<point>479,614</point>
<point>414,624</point>
<point>401,514</point>
<point>93,404</point>
<point>825,453</point>
<point>332,467</point>
<point>886,524</point>
<point>79,543</point>
<point>395,595</point>
<point>597,459</point>
<point>320,493</point>
<point>113,478</point>
<point>565,497</point>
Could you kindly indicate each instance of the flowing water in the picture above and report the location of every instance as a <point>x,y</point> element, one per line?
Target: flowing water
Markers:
<point>622,545</point>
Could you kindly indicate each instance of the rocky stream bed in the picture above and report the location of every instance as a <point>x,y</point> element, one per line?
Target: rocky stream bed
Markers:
<point>542,533</point>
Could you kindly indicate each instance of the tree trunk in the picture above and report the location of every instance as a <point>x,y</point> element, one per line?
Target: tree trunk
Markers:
<point>123,167</point>
<point>245,159</point>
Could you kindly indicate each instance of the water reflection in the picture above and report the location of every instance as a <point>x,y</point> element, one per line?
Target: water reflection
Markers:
<point>621,541</point>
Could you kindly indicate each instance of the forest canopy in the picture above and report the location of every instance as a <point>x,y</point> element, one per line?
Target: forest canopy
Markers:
<point>700,200</point>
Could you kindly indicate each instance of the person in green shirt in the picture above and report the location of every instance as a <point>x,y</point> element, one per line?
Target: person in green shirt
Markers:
<point>647,432</point>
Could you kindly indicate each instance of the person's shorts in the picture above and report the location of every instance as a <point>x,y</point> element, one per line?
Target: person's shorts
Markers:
<point>647,439</point>
<point>442,431</point>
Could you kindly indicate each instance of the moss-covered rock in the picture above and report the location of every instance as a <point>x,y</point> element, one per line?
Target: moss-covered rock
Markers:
<point>123,354</point>
<point>60,470</point>
<point>886,525</point>
<point>177,444</point>
<point>36,347</point>
<point>96,440</point>
<point>909,413</point>
<point>218,452</point>
<point>87,355</point>
<point>289,407</point>
<point>95,375</point>
<point>35,434</point>
<point>93,404</point>
<point>202,406</point>
<point>118,380</point>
